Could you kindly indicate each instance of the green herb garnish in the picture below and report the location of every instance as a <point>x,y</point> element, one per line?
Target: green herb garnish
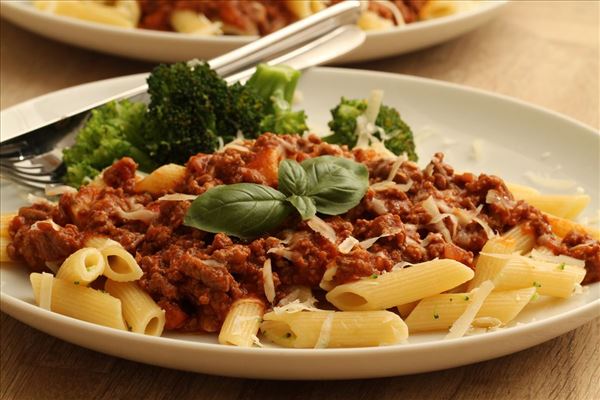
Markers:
<point>329,185</point>
<point>374,276</point>
<point>467,298</point>
<point>436,315</point>
<point>76,282</point>
<point>561,266</point>
<point>537,284</point>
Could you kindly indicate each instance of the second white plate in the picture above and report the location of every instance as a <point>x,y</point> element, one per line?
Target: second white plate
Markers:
<point>171,47</point>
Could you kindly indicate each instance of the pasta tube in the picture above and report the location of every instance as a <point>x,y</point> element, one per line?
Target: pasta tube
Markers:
<point>87,10</point>
<point>3,252</point>
<point>487,266</point>
<point>162,179</point>
<point>400,287</point>
<point>242,322</point>
<point>561,227</point>
<point>551,279</point>
<point>308,329</point>
<point>120,266</point>
<point>523,238</point>
<point>80,302</point>
<point>141,313</point>
<point>439,312</point>
<point>5,219</point>
<point>83,266</point>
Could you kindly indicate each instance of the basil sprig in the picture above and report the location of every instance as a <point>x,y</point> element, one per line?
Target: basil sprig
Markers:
<point>329,185</point>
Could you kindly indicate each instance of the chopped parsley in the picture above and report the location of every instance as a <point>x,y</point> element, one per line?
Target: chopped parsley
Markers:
<point>467,298</point>
<point>76,282</point>
<point>451,299</point>
<point>436,315</point>
<point>374,276</point>
<point>534,297</point>
<point>561,266</point>
<point>288,335</point>
<point>537,284</point>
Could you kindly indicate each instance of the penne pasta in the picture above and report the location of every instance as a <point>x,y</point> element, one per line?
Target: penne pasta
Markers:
<point>551,279</point>
<point>80,302</point>
<point>442,8</point>
<point>83,266</point>
<point>90,11</point>
<point>524,239</point>
<point>141,313</point>
<point>188,21</point>
<point>162,179</point>
<point>400,287</point>
<point>561,227</point>
<point>3,251</point>
<point>242,322</point>
<point>521,191</point>
<point>307,329</point>
<point>439,312</point>
<point>487,267</point>
<point>5,219</point>
<point>119,265</point>
<point>562,206</point>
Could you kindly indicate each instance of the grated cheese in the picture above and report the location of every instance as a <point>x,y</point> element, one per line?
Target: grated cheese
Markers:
<point>213,263</point>
<point>477,149</point>
<point>138,215</point>
<point>46,284</point>
<point>462,324</point>
<point>347,245</point>
<point>365,244</point>
<point>390,5</point>
<point>56,190</point>
<point>268,284</point>
<point>378,206</point>
<point>384,185</point>
<point>282,251</point>
<point>323,228</point>
<point>178,197</point>
<point>33,199</point>
<point>325,333</point>
<point>326,281</point>
<point>431,208</point>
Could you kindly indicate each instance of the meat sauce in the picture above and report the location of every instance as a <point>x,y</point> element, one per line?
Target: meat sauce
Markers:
<point>195,276</point>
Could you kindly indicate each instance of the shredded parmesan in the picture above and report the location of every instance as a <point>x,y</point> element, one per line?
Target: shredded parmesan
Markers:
<point>384,185</point>
<point>486,322</point>
<point>400,265</point>
<point>462,324</point>
<point>221,143</point>
<point>390,5</point>
<point>54,225</point>
<point>378,206</point>
<point>325,333</point>
<point>53,266</point>
<point>326,281</point>
<point>268,284</point>
<point>33,199</point>
<point>347,245</point>
<point>256,341</point>
<point>178,197</point>
<point>550,183</point>
<point>213,263</point>
<point>282,251</point>
<point>431,208</point>
<point>365,244</point>
<point>57,190</point>
<point>46,284</point>
<point>323,228</point>
<point>138,215</point>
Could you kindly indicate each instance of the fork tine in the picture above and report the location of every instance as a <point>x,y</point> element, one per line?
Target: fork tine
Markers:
<point>28,178</point>
<point>30,171</point>
<point>22,182</point>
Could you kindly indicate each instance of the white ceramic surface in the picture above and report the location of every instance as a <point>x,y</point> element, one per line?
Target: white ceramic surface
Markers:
<point>168,46</point>
<point>445,117</point>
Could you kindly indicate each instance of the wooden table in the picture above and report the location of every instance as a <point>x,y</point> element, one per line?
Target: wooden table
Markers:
<point>545,52</point>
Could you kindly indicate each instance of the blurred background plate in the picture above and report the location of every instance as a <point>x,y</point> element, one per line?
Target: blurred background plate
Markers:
<point>161,46</point>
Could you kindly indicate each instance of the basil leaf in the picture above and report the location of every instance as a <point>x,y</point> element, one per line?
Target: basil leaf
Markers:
<point>335,184</point>
<point>292,178</point>
<point>305,206</point>
<point>244,210</point>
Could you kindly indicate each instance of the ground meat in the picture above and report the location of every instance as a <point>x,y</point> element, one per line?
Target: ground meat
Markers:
<point>195,276</point>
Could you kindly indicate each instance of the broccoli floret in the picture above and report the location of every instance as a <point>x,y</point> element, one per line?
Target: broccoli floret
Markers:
<point>343,124</point>
<point>244,113</point>
<point>106,137</point>
<point>276,85</point>
<point>398,136</point>
<point>181,118</point>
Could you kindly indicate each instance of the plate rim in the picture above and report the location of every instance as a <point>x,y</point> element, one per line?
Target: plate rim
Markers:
<point>582,313</point>
<point>487,6</point>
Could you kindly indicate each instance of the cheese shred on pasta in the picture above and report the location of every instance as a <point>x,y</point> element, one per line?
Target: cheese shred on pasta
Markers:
<point>463,323</point>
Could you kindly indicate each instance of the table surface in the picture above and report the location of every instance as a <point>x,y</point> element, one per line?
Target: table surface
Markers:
<point>544,52</point>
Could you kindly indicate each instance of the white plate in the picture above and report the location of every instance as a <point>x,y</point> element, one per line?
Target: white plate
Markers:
<point>168,46</point>
<point>515,136</point>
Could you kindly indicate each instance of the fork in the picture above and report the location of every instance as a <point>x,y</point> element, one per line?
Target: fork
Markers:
<point>33,157</point>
